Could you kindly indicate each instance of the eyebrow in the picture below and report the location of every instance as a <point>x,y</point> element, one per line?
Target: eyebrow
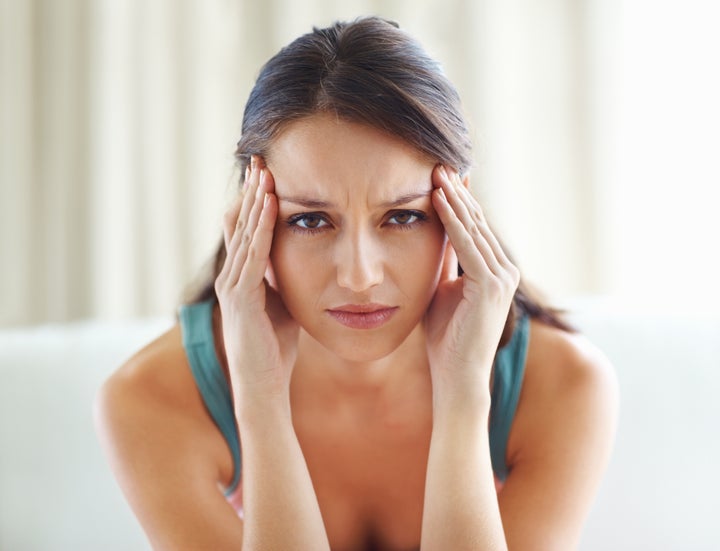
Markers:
<point>318,204</point>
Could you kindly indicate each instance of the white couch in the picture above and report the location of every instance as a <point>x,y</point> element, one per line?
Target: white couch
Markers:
<point>661,491</point>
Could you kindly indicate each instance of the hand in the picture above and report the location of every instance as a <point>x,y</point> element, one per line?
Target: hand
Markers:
<point>466,318</point>
<point>260,335</point>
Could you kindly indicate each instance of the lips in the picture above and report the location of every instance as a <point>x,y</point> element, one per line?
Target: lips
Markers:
<point>363,316</point>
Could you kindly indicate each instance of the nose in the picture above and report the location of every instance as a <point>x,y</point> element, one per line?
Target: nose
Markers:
<point>359,260</point>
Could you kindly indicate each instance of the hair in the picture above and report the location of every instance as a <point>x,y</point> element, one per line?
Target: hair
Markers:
<point>366,71</point>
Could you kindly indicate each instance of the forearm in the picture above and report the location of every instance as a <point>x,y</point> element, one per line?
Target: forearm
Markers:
<point>279,501</point>
<point>461,508</point>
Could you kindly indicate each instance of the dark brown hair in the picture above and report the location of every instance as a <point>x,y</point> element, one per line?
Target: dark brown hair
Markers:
<point>367,71</point>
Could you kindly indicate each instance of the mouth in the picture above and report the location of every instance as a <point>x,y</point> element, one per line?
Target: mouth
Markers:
<point>363,316</point>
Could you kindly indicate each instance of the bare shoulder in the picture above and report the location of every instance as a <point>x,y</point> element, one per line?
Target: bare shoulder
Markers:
<point>158,373</point>
<point>560,361</point>
<point>568,382</point>
<point>560,441</point>
<point>165,451</point>
<point>151,397</point>
<point>156,383</point>
<point>569,399</point>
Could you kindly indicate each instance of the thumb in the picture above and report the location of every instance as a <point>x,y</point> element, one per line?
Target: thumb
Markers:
<point>270,275</point>
<point>449,270</point>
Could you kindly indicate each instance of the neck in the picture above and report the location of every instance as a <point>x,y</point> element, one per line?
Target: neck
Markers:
<point>330,377</point>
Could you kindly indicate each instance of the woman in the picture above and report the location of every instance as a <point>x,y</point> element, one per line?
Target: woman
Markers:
<point>340,379</point>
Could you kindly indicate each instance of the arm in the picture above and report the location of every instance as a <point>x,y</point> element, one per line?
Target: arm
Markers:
<point>163,457</point>
<point>564,427</point>
<point>281,508</point>
<point>463,327</point>
<point>562,439</point>
<point>260,338</point>
<point>159,456</point>
<point>560,442</point>
<point>461,507</point>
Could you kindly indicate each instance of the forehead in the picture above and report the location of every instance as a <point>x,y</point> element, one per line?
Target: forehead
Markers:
<point>337,160</point>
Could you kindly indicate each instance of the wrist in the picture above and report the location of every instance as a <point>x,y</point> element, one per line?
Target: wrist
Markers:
<point>463,383</point>
<point>464,404</point>
<point>254,410</point>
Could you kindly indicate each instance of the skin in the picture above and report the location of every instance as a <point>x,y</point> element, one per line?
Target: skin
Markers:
<point>356,436</point>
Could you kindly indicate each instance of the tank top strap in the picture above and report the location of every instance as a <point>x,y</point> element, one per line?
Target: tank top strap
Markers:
<point>509,368</point>
<point>199,344</point>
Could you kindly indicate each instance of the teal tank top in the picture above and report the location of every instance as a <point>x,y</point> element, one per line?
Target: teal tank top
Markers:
<point>199,344</point>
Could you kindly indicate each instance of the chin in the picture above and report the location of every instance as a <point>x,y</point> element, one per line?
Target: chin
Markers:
<point>362,354</point>
<point>361,347</point>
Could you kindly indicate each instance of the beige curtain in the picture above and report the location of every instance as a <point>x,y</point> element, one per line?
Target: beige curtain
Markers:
<point>119,120</point>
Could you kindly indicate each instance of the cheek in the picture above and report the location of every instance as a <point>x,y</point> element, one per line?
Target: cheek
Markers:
<point>297,268</point>
<point>419,261</point>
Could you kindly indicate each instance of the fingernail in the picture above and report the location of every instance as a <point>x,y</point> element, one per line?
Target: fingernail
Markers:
<point>443,172</point>
<point>266,200</point>
<point>247,173</point>
<point>262,176</point>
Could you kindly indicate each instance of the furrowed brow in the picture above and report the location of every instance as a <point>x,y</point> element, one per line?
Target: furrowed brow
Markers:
<point>407,198</point>
<point>306,202</point>
<point>310,203</point>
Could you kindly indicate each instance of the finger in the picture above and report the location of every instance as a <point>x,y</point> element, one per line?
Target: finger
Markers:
<point>450,186</point>
<point>230,218</point>
<point>258,253</point>
<point>462,242</point>
<point>235,219</point>
<point>270,275</point>
<point>234,225</point>
<point>249,193</point>
<point>477,213</point>
<point>245,235</point>
<point>449,270</point>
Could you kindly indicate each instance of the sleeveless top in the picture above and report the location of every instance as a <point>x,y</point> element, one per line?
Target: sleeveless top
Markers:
<point>199,344</point>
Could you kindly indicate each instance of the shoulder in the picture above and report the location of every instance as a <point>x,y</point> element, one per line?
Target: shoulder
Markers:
<point>569,392</point>
<point>168,457</point>
<point>560,441</point>
<point>560,361</point>
<point>151,405</point>
<point>157,376</point>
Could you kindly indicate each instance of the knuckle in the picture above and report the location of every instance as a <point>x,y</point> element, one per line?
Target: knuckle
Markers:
<point>220,284</point>
<point>512,271</point>
<point>495,286</point>
<point>254,253</point>
<point>511,280</point>
<point>466,242</point>
<point>229,217</point>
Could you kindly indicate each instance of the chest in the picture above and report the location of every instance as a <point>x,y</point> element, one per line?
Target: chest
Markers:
<point>369,477</point>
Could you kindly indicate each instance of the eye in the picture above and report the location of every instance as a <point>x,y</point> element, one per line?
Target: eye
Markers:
<point>307,222</point>
<point>406,218</point>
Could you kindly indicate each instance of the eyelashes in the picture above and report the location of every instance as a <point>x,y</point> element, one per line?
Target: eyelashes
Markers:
<point>309,223</point>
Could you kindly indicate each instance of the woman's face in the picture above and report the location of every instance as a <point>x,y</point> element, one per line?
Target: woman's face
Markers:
<point>358,248</point>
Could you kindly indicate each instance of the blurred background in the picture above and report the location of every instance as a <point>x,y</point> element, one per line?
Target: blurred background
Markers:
<point>596,125</point>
